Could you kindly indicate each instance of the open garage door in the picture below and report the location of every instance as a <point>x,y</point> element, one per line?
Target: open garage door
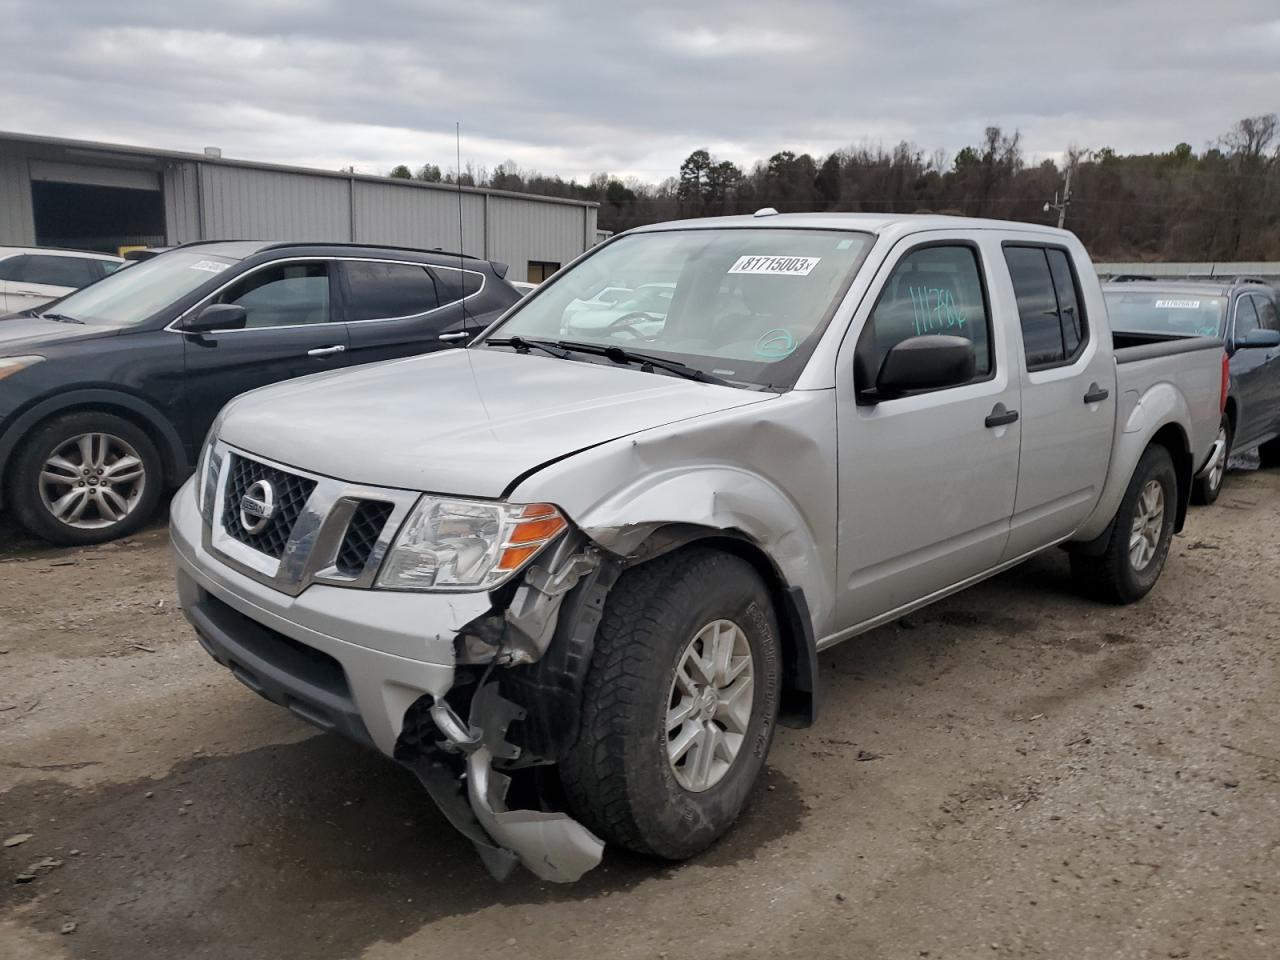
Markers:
<point>85,207</point>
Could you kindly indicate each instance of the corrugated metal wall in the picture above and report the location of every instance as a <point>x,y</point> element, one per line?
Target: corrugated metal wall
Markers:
<point>241,203</point>
<point>181,203</point>
<point>17,223</point>
<point>520,231</point>
<point>409,216</point>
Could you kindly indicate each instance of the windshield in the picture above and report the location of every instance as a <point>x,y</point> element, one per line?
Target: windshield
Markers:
<point>747,305</point>
<point>1166,311</point>
<point>128,297</point>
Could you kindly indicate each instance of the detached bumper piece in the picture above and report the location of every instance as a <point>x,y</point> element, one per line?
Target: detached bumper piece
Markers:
<point>552,846</point>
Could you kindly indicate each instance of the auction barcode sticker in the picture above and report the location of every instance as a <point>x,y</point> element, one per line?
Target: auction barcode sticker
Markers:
<point>1177,304</point>
<point>776,266</point>
<point>212,266</point>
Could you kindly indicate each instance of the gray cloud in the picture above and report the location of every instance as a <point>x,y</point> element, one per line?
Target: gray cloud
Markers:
<point>577,87</point>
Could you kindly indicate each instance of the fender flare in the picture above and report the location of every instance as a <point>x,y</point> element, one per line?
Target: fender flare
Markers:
<point>168,441</point>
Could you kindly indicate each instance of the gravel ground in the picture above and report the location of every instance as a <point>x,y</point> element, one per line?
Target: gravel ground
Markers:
<point>1012,772</point>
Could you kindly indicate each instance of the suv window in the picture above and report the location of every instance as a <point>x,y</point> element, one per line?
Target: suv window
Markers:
<point>381,291</point>
<point>1266,313</point>
<point>454,284</point>
<point>1246,318</point>
<point>284,295</point>
<point>57,271</point>
<point>1049,308</point>
<point>931,290</point>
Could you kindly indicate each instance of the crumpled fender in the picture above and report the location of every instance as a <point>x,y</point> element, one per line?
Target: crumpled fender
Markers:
<point>769,480</point>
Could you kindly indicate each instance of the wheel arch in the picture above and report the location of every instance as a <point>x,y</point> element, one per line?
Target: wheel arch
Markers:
<point>137,411</point>
<point>1172,437</point>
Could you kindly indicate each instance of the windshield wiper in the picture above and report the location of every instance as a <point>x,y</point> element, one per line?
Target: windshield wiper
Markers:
<point>622,355</point>
<point>59,318</point>
<point>523,345</point>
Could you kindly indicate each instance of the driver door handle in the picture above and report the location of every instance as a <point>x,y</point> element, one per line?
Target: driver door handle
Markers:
<point>1000,417</point>
<point>326,351</point>
<point>1096,394</point>
<point>453,336</point>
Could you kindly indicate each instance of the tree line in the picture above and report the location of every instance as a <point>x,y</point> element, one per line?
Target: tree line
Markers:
<point>1221,203</point>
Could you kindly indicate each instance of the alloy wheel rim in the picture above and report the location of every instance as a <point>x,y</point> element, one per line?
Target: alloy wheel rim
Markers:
<point>709,705</point>
<point>1220,462</point>
<point>1148,525</point>
<point>92,481</point>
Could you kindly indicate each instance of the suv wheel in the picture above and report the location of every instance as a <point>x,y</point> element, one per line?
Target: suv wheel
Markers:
<point>679,707</point>
<point>1140,535</point>
<point>86,478</point>
<point>1208,487</point>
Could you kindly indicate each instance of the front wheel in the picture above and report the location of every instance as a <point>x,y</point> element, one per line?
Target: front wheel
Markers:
<point>679,707</point>
<point>86,477</point>
<point>1138,543</point>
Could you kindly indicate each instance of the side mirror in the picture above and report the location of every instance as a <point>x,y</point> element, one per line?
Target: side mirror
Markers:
<point>1259,339</point>
<point>217,316</point>
<point>925,363</point>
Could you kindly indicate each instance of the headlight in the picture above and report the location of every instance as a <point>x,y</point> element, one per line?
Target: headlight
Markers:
<point>467,544</point>
<point>207,473</point>
<point>11,365</point>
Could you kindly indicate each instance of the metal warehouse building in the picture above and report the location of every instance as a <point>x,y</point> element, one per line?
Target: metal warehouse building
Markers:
<point>99,196</point>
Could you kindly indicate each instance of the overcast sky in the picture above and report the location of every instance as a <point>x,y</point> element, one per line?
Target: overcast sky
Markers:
<point>579,87</point>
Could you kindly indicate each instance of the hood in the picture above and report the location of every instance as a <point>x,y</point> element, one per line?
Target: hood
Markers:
<point>461,422</point>
<point>20,334</point>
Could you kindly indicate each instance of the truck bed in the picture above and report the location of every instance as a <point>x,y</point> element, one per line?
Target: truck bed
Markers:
<point>1132,347</point>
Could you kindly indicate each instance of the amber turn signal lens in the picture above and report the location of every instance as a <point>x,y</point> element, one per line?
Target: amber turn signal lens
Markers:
<point>513,557</point>
<point>536,531</point>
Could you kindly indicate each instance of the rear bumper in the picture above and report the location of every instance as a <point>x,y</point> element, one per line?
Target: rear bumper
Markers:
<point>335,656</point>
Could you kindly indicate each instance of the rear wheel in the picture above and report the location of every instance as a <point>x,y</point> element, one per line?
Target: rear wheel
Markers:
<point>1208,487</point>
<point>1138,544</point>
<point>679,706</point>
<point>86,478</point>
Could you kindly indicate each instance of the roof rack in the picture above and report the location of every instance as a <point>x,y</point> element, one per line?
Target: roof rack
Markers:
<point>1247,279</point>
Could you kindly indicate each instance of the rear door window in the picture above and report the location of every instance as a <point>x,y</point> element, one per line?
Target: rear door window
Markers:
<point>1050,310</point>
<point>455,284</point>
<point>384,291</point>
<point>57,271</point>
<point>932,290</point>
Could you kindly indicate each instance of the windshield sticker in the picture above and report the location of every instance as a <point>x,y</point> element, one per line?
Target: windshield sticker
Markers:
<point>934,308</point>
<point>1177,304</point>
<point>776,344</point>
<point>776,266</point>
<point>210,266</point>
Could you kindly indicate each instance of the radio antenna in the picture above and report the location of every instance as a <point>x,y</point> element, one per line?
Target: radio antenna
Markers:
<point>462,276</point>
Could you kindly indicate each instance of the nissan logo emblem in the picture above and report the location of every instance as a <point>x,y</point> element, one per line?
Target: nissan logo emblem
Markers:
<point>257,506</point>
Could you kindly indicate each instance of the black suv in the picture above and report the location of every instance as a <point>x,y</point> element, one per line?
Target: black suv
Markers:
<point>106,394</point>
<point>1243,312</point>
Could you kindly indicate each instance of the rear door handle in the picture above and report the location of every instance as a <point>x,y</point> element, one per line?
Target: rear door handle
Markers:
<point>326,351</point>
<point>453,336</point>
<point>1096,394</point>
<point>999,416</point>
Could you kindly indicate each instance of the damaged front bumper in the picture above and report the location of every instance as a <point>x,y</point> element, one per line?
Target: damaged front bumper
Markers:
<point>357,662</point>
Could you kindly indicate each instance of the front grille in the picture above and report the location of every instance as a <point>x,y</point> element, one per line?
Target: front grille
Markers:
<point>291,493</point>
<point>362,535</point>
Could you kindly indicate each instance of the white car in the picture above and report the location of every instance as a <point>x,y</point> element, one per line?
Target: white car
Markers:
<point>642,311</point>
<point>31,276</point>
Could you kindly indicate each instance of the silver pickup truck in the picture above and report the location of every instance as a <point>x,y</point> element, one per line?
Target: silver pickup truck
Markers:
<point>574,584</point>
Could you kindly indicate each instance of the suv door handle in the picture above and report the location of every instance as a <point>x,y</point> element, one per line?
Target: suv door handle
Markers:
<point>999,416</point>
<point>1096,394</point>
<point>453,336</point>
<point>326,351</point>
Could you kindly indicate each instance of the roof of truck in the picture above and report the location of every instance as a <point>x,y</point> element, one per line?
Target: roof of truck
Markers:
<point>868,222</point>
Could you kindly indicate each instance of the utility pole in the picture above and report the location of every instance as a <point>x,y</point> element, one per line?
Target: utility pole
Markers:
<point>1061,205</point>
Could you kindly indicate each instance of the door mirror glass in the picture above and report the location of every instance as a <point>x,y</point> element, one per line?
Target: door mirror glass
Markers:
<point>925,363</point>
<point>1255,339</point>
<point>217,316</point>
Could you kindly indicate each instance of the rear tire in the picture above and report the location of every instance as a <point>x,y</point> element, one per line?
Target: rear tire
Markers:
<point>86,477</point>
<point>622,778</point>
<point>1138,543</point>
<point>1206,489</point>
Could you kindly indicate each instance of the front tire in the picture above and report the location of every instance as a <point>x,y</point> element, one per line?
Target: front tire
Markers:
<point>680,704</point>
<point>1138,543</point>
<point>86,477</point>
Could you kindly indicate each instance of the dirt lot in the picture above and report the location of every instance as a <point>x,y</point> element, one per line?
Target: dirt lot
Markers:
<point>1014,772</point>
